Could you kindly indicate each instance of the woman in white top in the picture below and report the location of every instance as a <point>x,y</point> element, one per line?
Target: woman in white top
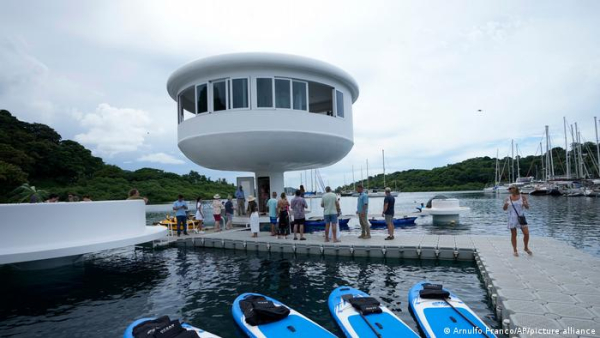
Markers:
<point>516,204</point>
<point>199,215</point>
<point>217,206</point>
<point>254,219</point>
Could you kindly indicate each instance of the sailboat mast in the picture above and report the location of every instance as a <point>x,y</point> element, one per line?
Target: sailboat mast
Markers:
<point>548,162</point>
<point>542,160</point>
<point>367,175</point>
<point>574,151</point>
<point>568,173</point>
<point>353,181</point>
<point>497,176</point>
<point>518,167</point>
<point>362,178</point>
<point>597,145</point>
<point>512,161</point>
<point>580,157</point>
<point>383,157</point>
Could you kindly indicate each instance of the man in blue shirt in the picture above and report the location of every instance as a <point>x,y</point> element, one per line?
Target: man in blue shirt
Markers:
<point>388,212</point>
<point>241,201</point>
<point>362,208</point>
<point>272,206</point>
<point>180,207</point>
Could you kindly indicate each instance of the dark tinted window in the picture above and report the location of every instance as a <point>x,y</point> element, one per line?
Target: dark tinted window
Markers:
<point>239,93</point>
<point>282,94</point>
<point>219,96</point>
<point>202,95</point>
<point>264,92</point>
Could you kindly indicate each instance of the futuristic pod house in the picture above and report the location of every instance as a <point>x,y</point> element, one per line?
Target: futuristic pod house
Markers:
<point>264,113</point>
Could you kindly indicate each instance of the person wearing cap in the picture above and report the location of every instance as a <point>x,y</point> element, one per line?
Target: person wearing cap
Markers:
<point>331,211</point>
<point>229,212</point>
<point>254,218</point>
<point>362,208</point>
<point>180,207</point>
<point>217,206</point>
<point>388,212</point>
<point>516,204</point>
<point>298,206</point>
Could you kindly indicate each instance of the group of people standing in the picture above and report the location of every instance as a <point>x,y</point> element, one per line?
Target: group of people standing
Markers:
<point>280,210</point>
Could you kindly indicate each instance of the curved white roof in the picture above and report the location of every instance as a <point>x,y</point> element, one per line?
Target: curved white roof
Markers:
<point>227,62</point>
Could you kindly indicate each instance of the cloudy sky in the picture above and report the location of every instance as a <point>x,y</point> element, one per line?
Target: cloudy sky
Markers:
<point>96,71</point>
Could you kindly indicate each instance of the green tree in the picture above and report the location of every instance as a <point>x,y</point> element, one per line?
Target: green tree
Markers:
<point>27,193</point>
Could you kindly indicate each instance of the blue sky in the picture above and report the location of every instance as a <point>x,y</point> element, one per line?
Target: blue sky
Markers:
<point>97,72</point>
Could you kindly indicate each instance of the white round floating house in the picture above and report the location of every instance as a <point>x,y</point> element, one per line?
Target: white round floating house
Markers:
<point>264,113</point>
<point>444,209</point>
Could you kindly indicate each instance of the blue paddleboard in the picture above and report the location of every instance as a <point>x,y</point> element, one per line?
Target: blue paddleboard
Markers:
<point>386,323</point>
<point>294,325</point>
<point>438,319</point>
<point>201,333</point>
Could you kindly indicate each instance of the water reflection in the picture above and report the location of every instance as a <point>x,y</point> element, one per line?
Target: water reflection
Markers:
<point>199,285</point>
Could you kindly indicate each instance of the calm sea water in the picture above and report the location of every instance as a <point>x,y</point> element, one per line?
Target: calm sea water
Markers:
<point>108,291</point>
<point>575,220</point>
<point>102,295</point>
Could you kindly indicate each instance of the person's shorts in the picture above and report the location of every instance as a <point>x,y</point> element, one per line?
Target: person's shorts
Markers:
<point>299,221</point>
<point>229,217</point>
<point>273,220</point>
<point>389,219</point>
<point>217,218</point>
<point>331,218</point>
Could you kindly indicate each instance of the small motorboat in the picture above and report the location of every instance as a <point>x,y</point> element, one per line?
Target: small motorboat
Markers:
<point>171,224</point>
<point>318,224</point>
<point>378,223</point>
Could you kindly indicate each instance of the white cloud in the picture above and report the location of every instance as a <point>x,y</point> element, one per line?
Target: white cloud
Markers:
<point>160,158</point>
<point>424,69</point>
<point>112,130</point>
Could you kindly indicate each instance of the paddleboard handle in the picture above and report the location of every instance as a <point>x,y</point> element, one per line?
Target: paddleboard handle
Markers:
<point>467,319</point>
<point>377,334</point>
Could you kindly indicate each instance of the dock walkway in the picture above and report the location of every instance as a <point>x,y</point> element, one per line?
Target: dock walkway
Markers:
<point>555,290</point>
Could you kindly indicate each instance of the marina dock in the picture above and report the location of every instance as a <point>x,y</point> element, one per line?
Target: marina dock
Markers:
<point>554,292</point>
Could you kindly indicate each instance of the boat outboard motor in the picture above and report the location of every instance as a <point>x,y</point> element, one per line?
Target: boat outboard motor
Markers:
<point>258,310</point>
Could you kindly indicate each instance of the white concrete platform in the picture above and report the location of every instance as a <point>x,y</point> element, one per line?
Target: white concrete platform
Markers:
<point>554,289</point>
<point>43,231</point>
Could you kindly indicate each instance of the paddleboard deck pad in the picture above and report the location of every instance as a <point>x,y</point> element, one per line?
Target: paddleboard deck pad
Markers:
<point>346,305</point>
<point>260,316</point>
<point>440,313</point>
<point>164,327</point>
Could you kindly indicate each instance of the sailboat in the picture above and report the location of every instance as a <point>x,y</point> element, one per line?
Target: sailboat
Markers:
<point>379,192</point>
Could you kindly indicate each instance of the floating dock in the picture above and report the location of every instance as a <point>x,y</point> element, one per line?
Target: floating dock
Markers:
<point>554,292</point>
